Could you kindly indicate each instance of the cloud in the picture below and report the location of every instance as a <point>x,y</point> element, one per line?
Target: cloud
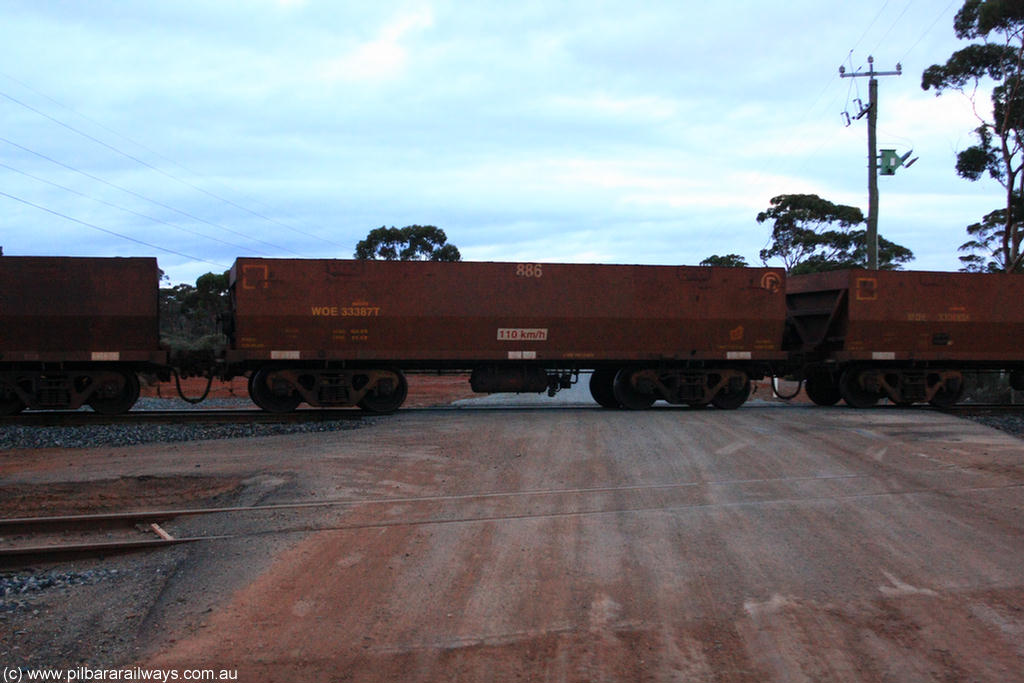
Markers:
<point>384,57</point>
<point>615,132</point>
<point>605,104</point>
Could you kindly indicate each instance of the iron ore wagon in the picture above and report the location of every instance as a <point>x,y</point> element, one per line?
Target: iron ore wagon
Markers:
<point>340,332</point>
<point>903,335</point>
<point>77,331</point>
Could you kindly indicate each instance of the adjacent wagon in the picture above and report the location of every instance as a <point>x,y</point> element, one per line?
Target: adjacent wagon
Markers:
<point>76,331</point>
<point>903,335</point>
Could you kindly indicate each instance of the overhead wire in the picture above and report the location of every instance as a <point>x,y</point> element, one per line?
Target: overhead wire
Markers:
<point>833,78</point>
<point>892,27</point>
<point>156,169</point>
<point>870,26</point>
<point>143,197</point>
<point>851,88</point>
<point>854,85</point>
<point>909,51</point>
<point>111,232</point>
<point>929,29</point>
<point>127,210</point>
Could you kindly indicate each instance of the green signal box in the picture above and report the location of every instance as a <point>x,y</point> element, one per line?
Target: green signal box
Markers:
<point>890,161</point>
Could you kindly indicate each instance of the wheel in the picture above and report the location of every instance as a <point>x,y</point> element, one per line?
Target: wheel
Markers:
<point>855,395</point>
<point>822,390</point>
<point>10,402</point>
<point>602,388</point>
<point>273,396</point>
<point>1017,380</point>
<point>627,395</point>
<point>388,402</point>
<point>731,397</point>
<point>946,397</point>
<point>117,393</point>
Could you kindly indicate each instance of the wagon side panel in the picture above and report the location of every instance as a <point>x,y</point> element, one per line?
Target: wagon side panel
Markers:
<point>558,313</point>
<point>62,308</point>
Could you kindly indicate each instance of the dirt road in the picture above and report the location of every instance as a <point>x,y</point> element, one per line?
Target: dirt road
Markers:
<point>773,543</point>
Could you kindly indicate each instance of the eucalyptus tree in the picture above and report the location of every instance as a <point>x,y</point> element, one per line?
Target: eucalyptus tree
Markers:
<point>811,234</point>
<point>727,261</point>
<point>996,56</point>
<point>411,243</point>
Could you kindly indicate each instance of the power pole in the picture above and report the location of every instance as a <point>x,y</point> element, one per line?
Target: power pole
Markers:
<point>872,112</point>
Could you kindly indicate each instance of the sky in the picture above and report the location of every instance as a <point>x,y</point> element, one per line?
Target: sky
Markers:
<point>641,131</point>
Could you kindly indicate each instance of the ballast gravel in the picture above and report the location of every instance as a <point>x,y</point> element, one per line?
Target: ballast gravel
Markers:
<point>90,436</point>
<point>24,583</point>
<point>21,437</point>
<point>1012,424</point>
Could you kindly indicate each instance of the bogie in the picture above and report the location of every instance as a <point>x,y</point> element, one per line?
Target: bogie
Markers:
<point>107,390</point>
<point>282,389</point>
<point>863,387</point>
<point>639,388</point>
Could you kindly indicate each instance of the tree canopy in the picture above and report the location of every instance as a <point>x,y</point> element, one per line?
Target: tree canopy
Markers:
<point>190,316</point>
<point>727,261</point>
<point>411,243</point>
<point>811,234</point>
<point>999,148</point>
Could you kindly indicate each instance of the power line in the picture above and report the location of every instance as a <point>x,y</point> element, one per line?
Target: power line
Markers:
<point>127,210</point>
<point>870,26</point>
<point>893,26</point>
<point>853,84</point>
<point>142,197</point>
<point>929,29</point>
<point>110,232</point>
<point>158,170</point>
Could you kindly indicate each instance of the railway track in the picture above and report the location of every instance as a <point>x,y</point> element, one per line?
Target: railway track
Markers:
<point>64,418</point>
<point>29,540</point>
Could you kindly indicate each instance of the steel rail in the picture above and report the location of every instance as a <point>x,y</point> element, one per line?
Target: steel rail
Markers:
<point>206,416</point>
<point>18,556</point>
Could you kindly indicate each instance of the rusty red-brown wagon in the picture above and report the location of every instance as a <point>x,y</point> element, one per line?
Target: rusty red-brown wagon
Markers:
<point>340,332</point>
<point>75,331</point>
<point>909,336</point>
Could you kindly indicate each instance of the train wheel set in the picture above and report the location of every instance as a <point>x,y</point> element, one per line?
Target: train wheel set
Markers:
<point>283,389</point>
<point>863,386</point>
<point>638,388</point>
<point>107,390</point>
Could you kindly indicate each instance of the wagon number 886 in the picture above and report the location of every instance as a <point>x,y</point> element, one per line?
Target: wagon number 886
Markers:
<point>529,270</point>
